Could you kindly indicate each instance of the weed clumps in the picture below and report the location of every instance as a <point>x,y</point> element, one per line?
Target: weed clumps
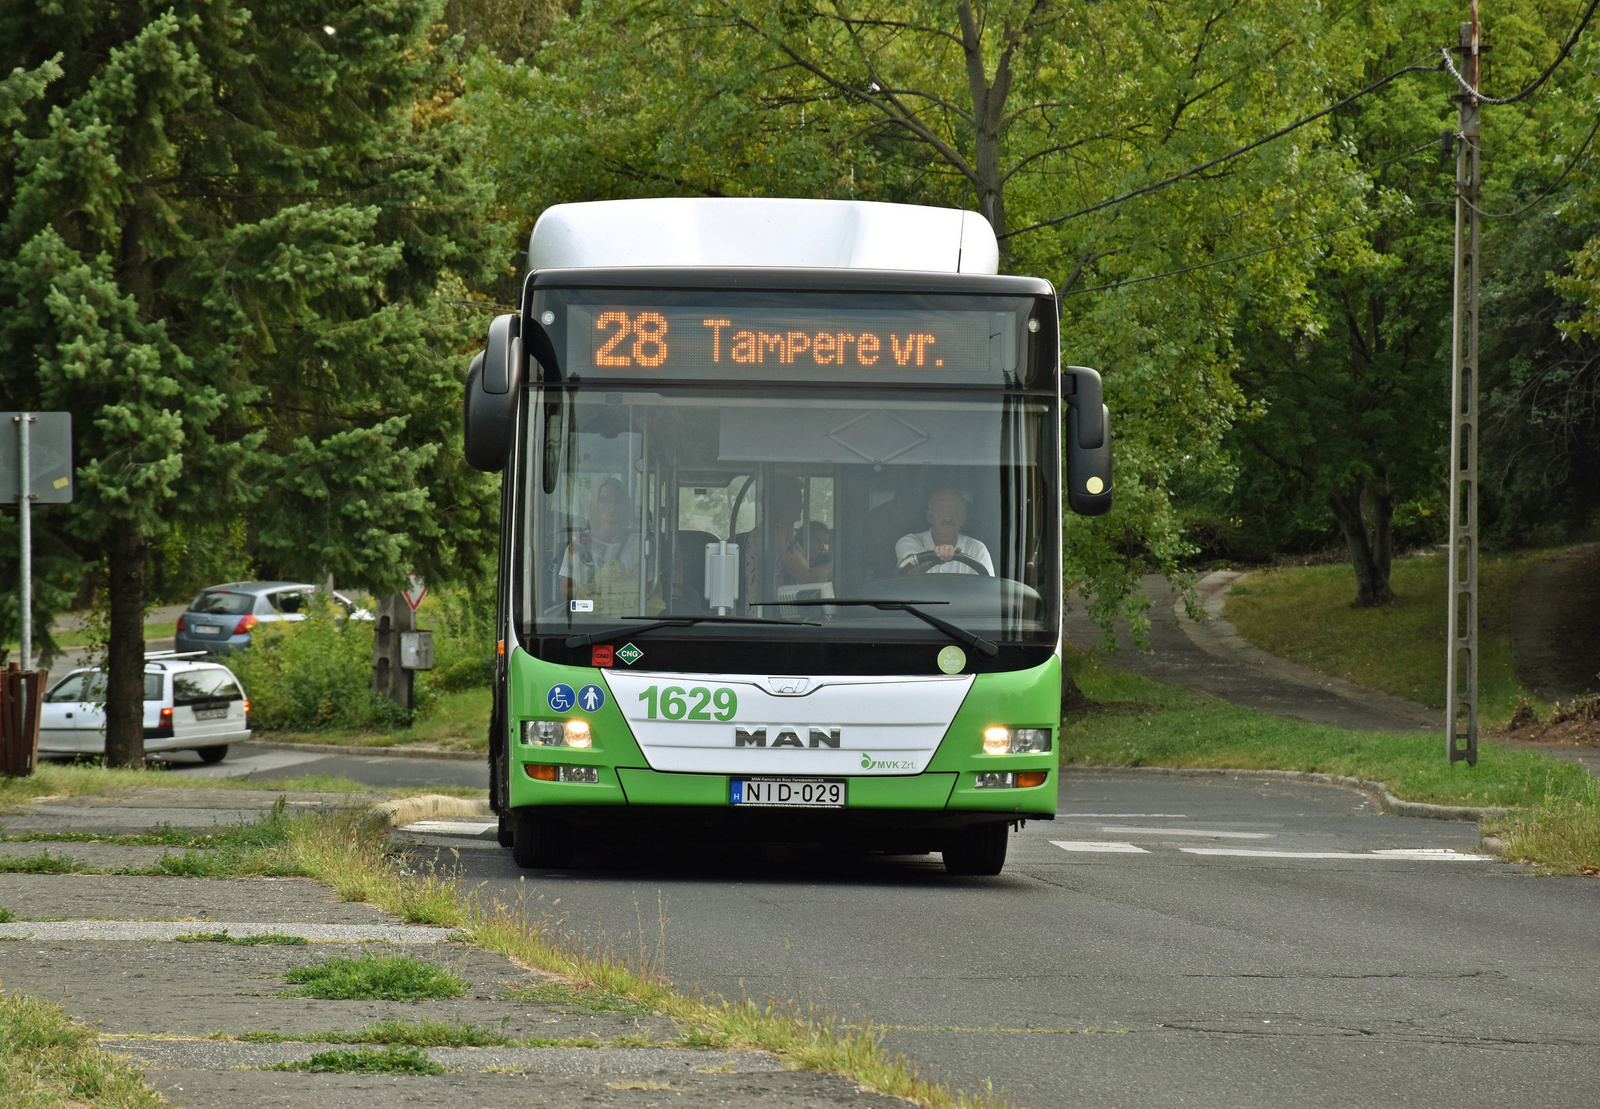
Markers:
<point>374,978</point>
<point>392,1060</point>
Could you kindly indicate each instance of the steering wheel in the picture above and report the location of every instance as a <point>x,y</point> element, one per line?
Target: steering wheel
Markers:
<point>925,557</point>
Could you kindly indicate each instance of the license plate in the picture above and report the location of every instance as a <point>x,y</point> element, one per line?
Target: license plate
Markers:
<point>207,629</point>
<point>210,714</point>
<point>788,793</point>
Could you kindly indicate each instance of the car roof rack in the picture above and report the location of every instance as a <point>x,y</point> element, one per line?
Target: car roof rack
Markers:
<point>171,656</point>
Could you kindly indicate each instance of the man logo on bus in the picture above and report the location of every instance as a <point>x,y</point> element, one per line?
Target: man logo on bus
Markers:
<point>757,737</point>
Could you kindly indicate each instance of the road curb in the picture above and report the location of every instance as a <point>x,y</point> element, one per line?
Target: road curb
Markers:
<point>1387,801</point>
<point>386,752</point>
<point>429,806</point>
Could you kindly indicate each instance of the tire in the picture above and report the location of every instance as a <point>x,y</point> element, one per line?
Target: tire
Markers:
<point>502,831</point>
<point>212,754</point>
<point>978,851</point>
<point>538,841</point>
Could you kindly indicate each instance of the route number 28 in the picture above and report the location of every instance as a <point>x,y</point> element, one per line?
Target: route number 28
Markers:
<point>676,703</point>
<point>649,331</point>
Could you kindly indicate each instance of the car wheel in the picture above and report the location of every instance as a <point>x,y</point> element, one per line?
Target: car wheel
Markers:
<point>212,754</point>
<point>978,851</point>
<point>538,841</point>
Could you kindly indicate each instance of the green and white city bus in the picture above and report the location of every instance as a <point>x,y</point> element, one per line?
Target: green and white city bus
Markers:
<point>781,528</point>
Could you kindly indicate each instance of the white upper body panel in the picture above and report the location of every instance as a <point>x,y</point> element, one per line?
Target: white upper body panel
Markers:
<point>866,725</point>
<point>761,231</point>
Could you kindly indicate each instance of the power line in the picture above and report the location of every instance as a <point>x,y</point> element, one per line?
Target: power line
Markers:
<point>1278,134</point>
<point>1252,253</point>
<point>1550,191</point>
<point>1566,48</point>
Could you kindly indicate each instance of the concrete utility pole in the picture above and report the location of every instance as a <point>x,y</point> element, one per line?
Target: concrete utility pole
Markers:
<point>1461,667</point>
<point>389,677</point>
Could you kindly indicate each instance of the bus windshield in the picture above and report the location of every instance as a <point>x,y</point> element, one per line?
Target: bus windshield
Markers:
<point>715,500</point>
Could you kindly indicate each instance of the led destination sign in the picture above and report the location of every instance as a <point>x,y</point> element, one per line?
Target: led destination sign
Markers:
<point>727,342</point>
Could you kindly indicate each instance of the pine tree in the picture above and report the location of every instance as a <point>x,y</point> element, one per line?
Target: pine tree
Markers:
<point>225,232</point>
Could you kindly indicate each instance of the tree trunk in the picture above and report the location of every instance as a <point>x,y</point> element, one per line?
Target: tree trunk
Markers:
<point>1369,555</point>
<point>988,115</point>
<point>125,652</point>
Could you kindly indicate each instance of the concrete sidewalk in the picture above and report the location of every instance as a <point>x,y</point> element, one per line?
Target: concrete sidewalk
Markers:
<point>102,946</point>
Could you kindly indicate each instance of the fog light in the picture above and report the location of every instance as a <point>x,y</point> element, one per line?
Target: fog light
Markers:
<point>996,741</point>
<point>577,734</point>
<point>1026,779</point>
<point>587,775</point>
<point>995,779</point>
<point>1029,739</point>
<point>540,772</point>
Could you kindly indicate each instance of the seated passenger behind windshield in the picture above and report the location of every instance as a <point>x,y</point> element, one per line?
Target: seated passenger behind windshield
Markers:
<point>947,511</point>
<point>602,561</point>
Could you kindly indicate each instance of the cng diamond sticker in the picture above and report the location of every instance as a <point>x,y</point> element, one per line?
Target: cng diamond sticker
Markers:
<point>629,654</point>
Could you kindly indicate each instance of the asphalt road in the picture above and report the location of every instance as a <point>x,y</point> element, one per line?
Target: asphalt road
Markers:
<point>258,763</point>
<point>1161,959</point>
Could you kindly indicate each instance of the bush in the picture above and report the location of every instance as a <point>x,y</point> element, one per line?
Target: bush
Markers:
<point>463,623</point>
<point>313,673</point>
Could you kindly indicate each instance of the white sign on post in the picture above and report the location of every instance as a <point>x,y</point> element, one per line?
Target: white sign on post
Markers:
<point>416,589</point>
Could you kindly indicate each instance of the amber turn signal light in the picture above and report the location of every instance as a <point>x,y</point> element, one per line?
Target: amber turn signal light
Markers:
<point>540,772</point>
<point>1026,778</point>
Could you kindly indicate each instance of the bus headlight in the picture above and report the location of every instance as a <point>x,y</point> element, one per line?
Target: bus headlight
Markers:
<point>1015,741</point>
<point>555,733</point>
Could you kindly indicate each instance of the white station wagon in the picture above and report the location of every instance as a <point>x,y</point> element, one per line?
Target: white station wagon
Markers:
<point>188,704</point>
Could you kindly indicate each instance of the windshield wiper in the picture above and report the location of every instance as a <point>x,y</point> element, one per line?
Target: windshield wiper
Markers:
<point>961,635</point>
<point>576,641</point>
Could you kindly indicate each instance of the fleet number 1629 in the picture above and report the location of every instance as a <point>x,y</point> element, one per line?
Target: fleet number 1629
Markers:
<point>697,703</point>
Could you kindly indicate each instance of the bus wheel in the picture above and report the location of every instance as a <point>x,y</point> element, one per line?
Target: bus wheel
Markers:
<point>502,831</point>
<point>980,850</point>
<point>538,841</point>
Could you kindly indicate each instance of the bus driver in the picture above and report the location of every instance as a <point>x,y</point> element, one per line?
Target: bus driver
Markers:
<point>601,564</point>
<point>934,551</point>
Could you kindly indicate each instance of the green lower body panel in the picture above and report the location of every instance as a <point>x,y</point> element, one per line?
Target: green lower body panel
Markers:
<point>652,787</point>
<point>1034,799</point>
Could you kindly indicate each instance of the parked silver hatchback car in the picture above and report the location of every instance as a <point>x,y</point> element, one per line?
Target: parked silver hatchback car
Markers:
<point>189,704</point>
<point>219,619</point>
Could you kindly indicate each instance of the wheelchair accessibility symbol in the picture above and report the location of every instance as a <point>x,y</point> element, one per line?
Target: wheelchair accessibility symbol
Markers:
<point>561,698</point>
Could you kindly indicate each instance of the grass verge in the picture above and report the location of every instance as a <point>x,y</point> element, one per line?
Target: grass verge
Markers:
<point>352,859</point>
<point>374,978</point>
<point>428,1033</point>
<point>46,1060</point>
<point>56,781</point>
<point>456,721</point>
<point>393,1060</point>
<point>1145,723</point>
<point>1139,722</point>
<point>243,941</point>
<point>1304,614</point>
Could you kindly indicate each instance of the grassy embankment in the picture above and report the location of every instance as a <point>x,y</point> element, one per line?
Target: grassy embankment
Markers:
<point>457,721</point>
<point>1304,614</point>
<point>61,780</point>
<point>46,1060</point>
<point>351,856</point>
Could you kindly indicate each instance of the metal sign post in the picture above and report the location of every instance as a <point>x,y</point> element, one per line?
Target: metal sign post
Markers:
<point>1461,665</point>
<point>35,469</point>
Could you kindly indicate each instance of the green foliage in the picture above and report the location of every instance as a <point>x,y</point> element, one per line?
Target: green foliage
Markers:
<point>393,1060</point>
<point>427,1033</point>
<point>1025,111</point>
<point>463,623</point>
<point>48,1060</point>
<point>313,673</point>
<point>1144,723</point>
<point>42,863</point>
<point>223,238</point>
<point>6,915</point>
<point>374,978</point>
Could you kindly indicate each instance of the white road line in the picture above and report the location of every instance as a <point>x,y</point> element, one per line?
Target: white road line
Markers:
<point>1419,854</point>
<point>1094,845</point>
<point>1127,815</point>
<point>1186,832</point>
<point>450,827</point>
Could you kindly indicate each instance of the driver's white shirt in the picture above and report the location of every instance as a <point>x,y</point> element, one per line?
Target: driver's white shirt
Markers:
<point>917,542</point>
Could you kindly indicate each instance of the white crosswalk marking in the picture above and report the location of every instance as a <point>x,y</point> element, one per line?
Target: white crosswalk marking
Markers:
<point>1197,832</point>
<point>1094,845</point>
<point>1419,854</point>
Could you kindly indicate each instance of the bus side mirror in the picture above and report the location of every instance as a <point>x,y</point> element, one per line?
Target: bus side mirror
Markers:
<point>1088,442</point>
<point>494,387</point>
